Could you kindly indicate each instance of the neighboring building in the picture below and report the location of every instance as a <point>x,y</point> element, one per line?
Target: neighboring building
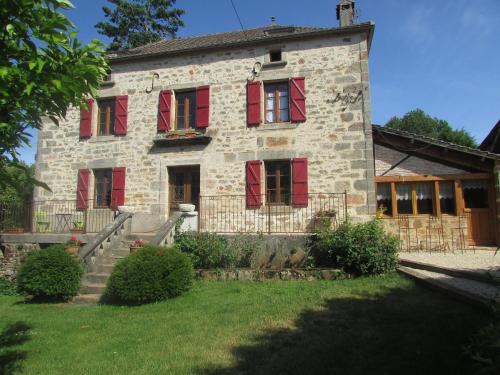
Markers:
<point>426,178</point>
<point>271,116</point>
<point>492,141</point>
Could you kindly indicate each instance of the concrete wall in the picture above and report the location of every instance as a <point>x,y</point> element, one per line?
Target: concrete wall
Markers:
<point>336,138</point>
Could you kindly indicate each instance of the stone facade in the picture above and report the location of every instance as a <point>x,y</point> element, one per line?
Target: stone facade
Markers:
<point>336,137</point>
<point>11,256</point>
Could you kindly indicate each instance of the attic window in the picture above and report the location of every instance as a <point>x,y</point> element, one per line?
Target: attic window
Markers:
<point>275,56</point>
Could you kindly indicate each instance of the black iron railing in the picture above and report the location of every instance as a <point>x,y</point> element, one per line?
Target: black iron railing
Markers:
<point>230,214</point>
<point>53,216</point>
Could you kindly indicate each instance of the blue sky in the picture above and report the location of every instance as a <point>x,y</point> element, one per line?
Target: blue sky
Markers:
<point>441,56</point>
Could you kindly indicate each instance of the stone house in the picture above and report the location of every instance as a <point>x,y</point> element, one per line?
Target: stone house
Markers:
<point>263,127</point>
<point>437,187</point>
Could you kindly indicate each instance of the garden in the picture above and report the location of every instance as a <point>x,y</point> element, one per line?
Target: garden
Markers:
<point>159,319</point>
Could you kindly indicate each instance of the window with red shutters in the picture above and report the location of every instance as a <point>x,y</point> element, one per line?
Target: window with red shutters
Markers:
<point>164,110</point>
<point>86,120</point>
<point>118,192</point>
<point>82,189</point>
<point>300,191</point>
<point>121,115</point>
<point>202,106</point>
<point>254,116</point>
<point>297,99</point>
<point>253,196</point>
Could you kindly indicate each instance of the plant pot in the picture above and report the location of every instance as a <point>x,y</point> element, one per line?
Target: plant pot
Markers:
<point>72,250</point>
<point>42,226</point>
<point>134,249</point>
<point>75,230</point>
<point>15,230</point>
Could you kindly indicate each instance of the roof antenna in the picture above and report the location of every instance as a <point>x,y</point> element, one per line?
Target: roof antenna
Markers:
<point>273,21</point>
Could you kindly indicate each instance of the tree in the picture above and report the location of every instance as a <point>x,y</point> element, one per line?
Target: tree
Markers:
<point>138,22</point>
<point>17,184</point>
<point>44,69</point>
<point>418,122</point>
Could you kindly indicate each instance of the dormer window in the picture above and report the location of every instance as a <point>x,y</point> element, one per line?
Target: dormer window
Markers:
<point>275,56</point>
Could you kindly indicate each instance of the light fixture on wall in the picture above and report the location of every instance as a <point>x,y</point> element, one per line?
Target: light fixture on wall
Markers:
<point>150,89</point>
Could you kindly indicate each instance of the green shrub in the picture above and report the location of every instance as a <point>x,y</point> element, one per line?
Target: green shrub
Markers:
<point>359,249</point>
<point>7,288</point>
<point>50,274</point>
<point>149,275</point>
<point>484,350</point>
<point>244,249</point>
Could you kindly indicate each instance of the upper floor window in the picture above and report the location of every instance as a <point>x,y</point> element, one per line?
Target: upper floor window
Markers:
<point>275,56</point>
<point>103,187</point>
<point>185,105</point>
<point>278,182</point>
<point>106,116</point>
<point>277,102</point>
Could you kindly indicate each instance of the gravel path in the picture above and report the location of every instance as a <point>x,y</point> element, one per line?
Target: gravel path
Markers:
<point>484,260</point>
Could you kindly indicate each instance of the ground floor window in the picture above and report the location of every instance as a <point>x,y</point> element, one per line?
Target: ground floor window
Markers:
<point>102,188</point>
<point>384,198</point>
<point>447,197</point>
<point>278,182</point>
<point>475,194</point>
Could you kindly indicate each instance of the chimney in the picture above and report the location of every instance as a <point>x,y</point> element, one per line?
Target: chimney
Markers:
<point>273,21</point>
<point>345,12</point>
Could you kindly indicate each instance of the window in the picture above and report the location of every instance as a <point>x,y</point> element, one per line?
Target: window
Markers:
<point>109,76</point>
<point>275,56</point>
<point>278,182</point>
<point>102,188</point>
<point>404,199</point>
<point>384,198</point>
<point>185,105</point>
<point>475,194</point>
<point>106,117</point>
<point>447,197</point>
<point>277,103</point>
<point>415,199</point>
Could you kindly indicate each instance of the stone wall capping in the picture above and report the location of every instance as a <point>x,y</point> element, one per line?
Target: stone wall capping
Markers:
<point>199,139</point>
<point>274,64</point>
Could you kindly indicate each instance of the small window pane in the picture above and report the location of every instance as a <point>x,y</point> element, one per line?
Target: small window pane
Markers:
<point>103,187</point>
<point>447,197</point>
<point>404,194</point>
<point>106,118</point>
<point>475,194</point>
<point>184,99</point>
<point>425,195</point>
<point>278,182</point>
<point>384,198</point>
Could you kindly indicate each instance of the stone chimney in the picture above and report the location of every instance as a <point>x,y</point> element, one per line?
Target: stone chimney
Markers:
<point>345,12</point>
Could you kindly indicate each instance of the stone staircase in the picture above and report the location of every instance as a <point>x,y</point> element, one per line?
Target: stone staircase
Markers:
<point>475,286</point>
<point>100,268</point>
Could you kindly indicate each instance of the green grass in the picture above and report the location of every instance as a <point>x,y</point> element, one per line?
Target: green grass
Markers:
<point>382,325</point>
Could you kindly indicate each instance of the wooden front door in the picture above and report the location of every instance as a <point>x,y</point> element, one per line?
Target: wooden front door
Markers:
<point>184,186</point>
<point>478,207</point>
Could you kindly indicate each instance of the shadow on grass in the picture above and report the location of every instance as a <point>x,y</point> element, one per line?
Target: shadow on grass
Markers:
<point>10,358</point>
<point>402,331</point>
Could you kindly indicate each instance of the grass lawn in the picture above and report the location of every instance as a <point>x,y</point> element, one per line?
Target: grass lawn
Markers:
<point>384,325</point>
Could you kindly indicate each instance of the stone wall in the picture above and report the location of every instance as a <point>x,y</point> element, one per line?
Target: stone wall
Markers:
<point>336,138</point>
<point>11,256</point>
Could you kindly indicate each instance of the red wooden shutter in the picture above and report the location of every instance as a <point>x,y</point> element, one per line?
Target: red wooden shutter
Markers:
<point>82,189</point>
<point>121,114</point>
<point>253,184</point>
<point>253,103</point>
<point>118,187</point>
<point>86,120</point>
<point>298,99</point>
<point>164,111</point>
<point>300,193</point>
<point>202,106</point>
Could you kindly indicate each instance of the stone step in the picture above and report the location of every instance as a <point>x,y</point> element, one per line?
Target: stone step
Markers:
<point>90,288</point>
<point>97,278</point>
<point>484,295</point>
<point>485,276</point>
<point>104,267</point>
<point>87,298</point>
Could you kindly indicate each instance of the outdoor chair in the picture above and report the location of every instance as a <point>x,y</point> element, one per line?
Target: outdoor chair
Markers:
<point>407,234</point>
<point>434,235</point>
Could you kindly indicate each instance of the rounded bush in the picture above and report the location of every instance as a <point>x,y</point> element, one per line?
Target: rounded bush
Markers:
<point>151,274</point>
<point>50,274</point>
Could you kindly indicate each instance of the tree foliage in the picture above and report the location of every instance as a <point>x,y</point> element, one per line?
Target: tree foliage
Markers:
<point>419,122</point>
<point>134,23</point>
<point>17,183</point>
<point>44,69</point>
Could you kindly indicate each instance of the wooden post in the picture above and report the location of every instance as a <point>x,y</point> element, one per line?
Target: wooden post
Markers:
<point>437,202</point>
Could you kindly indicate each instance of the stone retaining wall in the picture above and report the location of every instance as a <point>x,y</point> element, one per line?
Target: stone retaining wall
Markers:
<point>267,274</point>
<point>11,256</point>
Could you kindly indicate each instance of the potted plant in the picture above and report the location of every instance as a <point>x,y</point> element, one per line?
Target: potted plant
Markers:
<point>42,225</point>
<point>12,227</point>
<point>73,246</point>
<point>381,212</point>
<point>136,245</point>
<point>77,226</point>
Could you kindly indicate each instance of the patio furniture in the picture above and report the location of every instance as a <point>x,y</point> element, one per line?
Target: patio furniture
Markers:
<point>406,233</point>
<point>434,235</point>
<point>63,222</point>
<point>458,234</point>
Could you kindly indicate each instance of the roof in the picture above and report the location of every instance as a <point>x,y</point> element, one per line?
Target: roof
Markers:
<point>435,142</point>
<point>491,140</point>
<point>235,38</point>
